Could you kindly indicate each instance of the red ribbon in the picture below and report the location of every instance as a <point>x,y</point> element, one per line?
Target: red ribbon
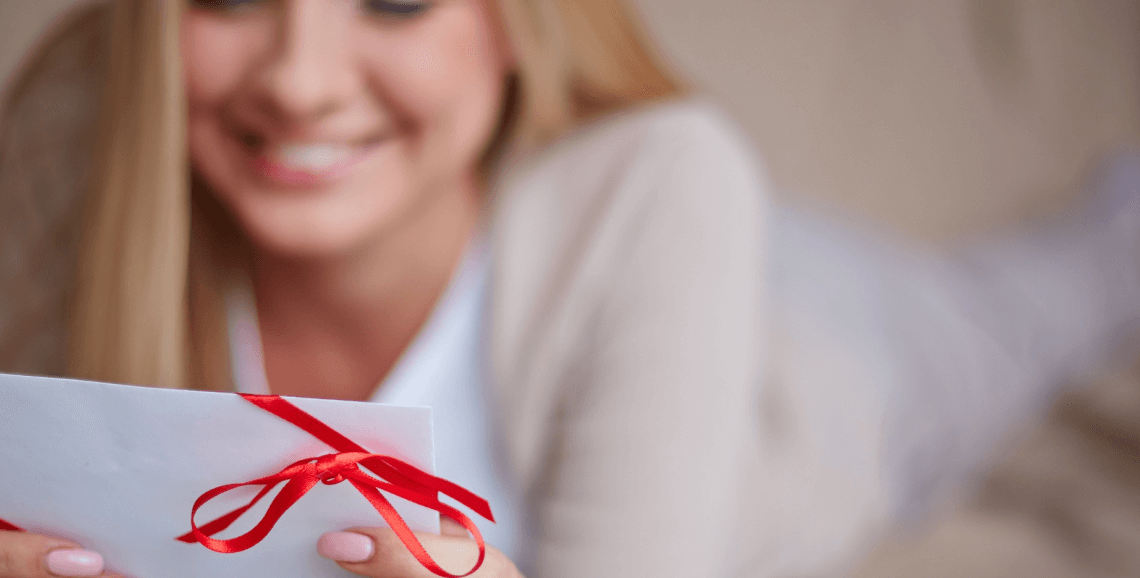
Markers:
<point>397,477</point>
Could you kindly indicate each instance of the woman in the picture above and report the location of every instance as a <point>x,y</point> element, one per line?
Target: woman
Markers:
<point>311,197</point>
<point>332,162</point>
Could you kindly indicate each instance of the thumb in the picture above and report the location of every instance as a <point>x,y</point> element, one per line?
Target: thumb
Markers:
<point>379,553</point>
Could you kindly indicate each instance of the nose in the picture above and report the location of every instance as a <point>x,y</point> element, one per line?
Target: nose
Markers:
<point>308,74</point>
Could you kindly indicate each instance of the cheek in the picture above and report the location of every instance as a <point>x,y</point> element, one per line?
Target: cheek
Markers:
<point>444,73</point>
<point>217,56</point>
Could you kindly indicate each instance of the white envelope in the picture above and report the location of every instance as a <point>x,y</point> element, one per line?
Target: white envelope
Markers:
<point>118,468</point>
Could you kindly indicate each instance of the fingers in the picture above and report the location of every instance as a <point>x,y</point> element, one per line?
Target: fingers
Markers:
<point>346,547</point>
<point>379,553</point>
<point>27,555</point>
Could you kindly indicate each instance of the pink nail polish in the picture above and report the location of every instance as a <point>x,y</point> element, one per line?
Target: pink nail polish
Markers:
<point>345,546</point>
<point>73,562</point>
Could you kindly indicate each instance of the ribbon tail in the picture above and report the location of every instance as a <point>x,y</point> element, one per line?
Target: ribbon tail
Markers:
<point>405,534</point>
<point>410,476</point>
<point>432,501</point>
<point>438,485</point>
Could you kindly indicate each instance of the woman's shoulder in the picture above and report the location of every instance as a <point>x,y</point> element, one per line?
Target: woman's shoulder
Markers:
<point>684,158</point>
<point>649,218</point>
<point>653,133</point>
<point>687,154</point>
<point>668,185</point>
<point>697,118</point>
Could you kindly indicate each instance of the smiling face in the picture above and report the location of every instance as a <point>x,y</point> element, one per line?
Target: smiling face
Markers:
<point>321,124</point>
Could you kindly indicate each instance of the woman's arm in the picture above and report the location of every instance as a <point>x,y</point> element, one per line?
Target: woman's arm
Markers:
<point>644,475</point>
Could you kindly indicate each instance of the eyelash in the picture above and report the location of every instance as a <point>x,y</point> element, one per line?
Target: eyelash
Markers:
<point>382,8</point>
<point>389,9</point>
<point>220,5</point>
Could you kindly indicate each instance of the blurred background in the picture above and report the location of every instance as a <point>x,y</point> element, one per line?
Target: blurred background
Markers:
<point>934,119</point>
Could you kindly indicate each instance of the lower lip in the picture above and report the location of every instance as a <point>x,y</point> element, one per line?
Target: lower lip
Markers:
<point>283,175</point>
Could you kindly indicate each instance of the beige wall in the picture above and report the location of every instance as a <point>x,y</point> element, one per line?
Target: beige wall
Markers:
<point>935,116</point>
<point>21,24</point>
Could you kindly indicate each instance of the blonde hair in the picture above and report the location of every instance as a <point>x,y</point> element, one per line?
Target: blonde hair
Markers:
<point>146,301</point>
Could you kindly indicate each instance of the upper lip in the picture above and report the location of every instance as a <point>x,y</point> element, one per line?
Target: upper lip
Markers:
<point>256,138</point>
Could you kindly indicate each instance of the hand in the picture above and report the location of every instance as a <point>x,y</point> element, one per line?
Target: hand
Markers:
<point>378,553</point>
<point>27,555</point>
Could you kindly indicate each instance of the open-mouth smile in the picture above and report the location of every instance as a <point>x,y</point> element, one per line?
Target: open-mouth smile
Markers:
<point>305,164</point>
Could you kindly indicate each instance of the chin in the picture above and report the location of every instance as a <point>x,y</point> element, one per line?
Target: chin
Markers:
<point>310,235</point>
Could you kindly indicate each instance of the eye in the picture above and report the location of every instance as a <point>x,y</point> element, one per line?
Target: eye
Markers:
<point>395,8</point>
<point>224,5</point>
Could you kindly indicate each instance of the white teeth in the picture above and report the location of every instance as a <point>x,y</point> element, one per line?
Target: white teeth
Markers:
<point>314,157</point>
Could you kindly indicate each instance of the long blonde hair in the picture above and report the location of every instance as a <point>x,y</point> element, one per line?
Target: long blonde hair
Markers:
<point>145,303</point>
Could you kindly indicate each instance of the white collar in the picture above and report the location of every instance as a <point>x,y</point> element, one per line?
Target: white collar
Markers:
<point>463,296</point>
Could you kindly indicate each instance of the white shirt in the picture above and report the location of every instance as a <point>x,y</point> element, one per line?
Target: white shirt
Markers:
<point>445,368</point>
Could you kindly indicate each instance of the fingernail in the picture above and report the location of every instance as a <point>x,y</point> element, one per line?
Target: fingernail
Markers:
<point>345,546</point>
<point>72,562</point>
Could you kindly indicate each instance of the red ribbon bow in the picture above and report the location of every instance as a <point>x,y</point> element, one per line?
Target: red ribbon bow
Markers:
<point>396,477</point>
